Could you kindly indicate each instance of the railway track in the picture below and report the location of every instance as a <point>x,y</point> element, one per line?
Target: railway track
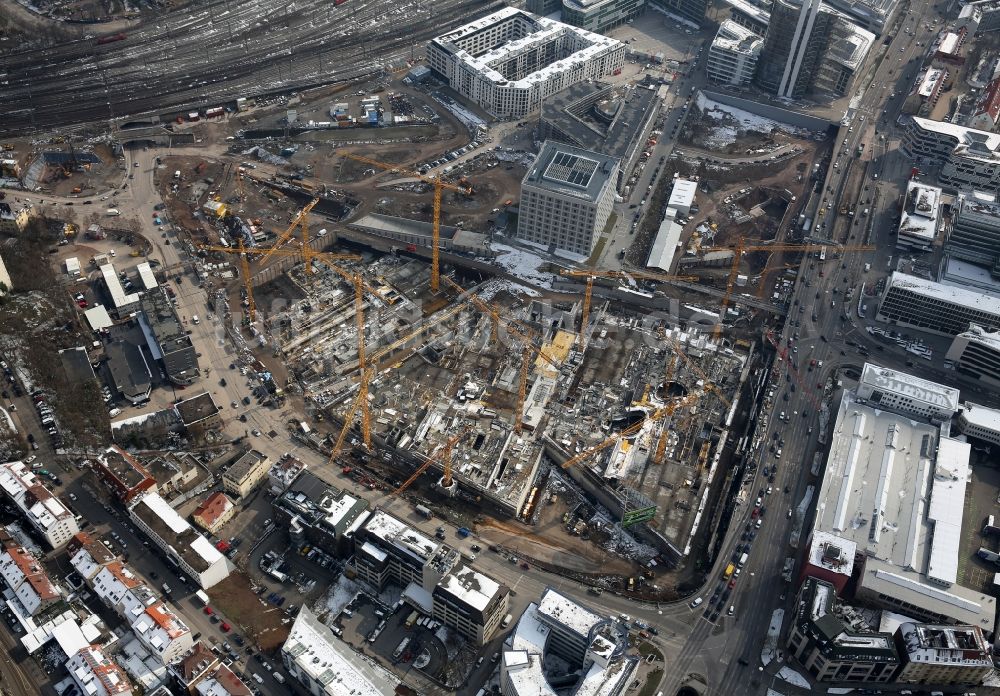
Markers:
<point>223,51</point>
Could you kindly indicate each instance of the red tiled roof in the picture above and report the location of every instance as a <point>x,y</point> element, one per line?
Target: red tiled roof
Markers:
<point>213,507</point>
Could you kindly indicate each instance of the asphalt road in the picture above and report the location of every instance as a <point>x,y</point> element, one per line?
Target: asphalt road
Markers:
<point>216,53</point>
<point>712,651</point>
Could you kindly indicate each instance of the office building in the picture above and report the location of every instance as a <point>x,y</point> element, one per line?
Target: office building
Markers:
<point>43,511</point>
<point>27,579</point>
<point>557,627</point>
<point>918,303</point>
<point>387,549</point>
<point>824,642</point>
<point>567,197</point>
<point>600,15</point>
<point>975,231</point>
<point>926,91</point>
<point>943,655</point>
<point>749,16</point>
<point>615,121</point>
<point>122,474</point>
<point>979,422</point>
<point>981,16</point>
<point>907,395</point>
<point>192,553</point>
<point>96,674</point>
<point>976,353</point>
<point>733,55</point>
<point>969,158</point>
<point>543,7</point>
<point>692,11</point>
<point>246,473</point>
<point>918,225</point>
<point>846,50</point>
<point>511,60</point>
<point>950,50</point>
<point>890,507</point>
<point>793,47</point>
<point>325,666</point>
<point>472,603</point>
<point>318,515</point>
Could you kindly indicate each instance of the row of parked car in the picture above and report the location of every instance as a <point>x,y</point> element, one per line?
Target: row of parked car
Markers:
<point>47,416</point>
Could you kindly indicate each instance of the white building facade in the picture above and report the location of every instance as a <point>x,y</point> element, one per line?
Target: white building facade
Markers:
<point>507,62</point>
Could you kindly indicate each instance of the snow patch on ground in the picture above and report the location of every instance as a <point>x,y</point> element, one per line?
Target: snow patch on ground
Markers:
<point>793,677</point>
<point>132,420</point>
<point>493,287</point>
<point>336,598</point>
<point>733,121</point>
<point>770,650</point>
<point>523,264</point>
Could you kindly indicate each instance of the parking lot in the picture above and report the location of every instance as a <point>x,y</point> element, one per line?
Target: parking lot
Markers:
<point>981,498</point>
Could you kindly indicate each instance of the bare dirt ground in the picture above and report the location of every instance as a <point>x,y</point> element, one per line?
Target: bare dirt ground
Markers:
<point>549,542</point>
<point>263,625</point>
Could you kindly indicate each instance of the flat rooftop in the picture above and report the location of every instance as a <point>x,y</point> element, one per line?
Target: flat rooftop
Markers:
<point>559,608</point>
<point>471,587</point>
<point>196,408</point>
<point>571,171</point>
<point>982,416</point>
<point>682,194</point>
<point>570,111</point>
<point>919,389</point>
<point>895,488</point>
<point>394,532</point>
<point>946,293</point>
<point>119,298</point>
<point>975,143</point>
<point>331,664</point>
<point>187,543</point>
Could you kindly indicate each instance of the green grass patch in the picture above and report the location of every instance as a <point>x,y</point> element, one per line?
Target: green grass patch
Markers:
<point>652,682</point>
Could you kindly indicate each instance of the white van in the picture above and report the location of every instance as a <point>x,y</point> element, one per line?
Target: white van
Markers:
<point>195,319</point>
<point>257,678</point>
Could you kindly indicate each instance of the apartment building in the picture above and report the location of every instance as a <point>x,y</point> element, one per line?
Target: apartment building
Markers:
<point>246,473</point>
<point>43,511</point>
<point>190,551</point>
<point>122,474</point>
<point>472,603</point>
<point>214,512</point>
<point>942,655</point>
<point>823,642</point>
<point>511,60</point>
<point>733,55</point>
<point>567,197</point>
<point>162,632</point>
<point>27,579</point>
<point>910,301</point>
<point>96,674</point>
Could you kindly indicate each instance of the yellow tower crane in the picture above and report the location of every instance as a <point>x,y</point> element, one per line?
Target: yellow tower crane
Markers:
<point>742,247</point>
<point>524,334</point>
<point>300,220</point>
<point>439,186</point>
<point>657,415</point>
<point>590,274</point>
<point>245,265</point>
<point>444,454</point>
<point>372,366</point>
